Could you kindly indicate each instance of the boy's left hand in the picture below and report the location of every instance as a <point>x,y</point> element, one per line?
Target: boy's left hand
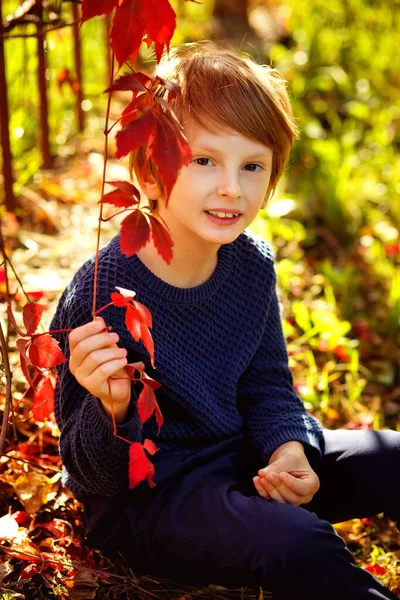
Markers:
<point>288,478</point>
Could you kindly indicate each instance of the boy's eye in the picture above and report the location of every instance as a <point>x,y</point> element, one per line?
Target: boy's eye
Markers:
<point>253,167</point>
<point>202,161</point>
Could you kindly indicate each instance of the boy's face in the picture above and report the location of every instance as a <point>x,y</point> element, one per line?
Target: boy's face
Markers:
<point>229,174</point>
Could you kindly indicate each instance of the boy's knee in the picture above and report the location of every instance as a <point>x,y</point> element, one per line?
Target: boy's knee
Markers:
<point>299,539</point>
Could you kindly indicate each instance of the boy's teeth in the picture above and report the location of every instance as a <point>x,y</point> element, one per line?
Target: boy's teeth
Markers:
<point>222,215</point>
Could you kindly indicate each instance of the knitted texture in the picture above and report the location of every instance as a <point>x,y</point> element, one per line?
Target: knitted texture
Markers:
<point>220,357</point>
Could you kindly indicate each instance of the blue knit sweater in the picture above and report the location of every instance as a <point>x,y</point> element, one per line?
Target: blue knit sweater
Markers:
<point>220,357</point>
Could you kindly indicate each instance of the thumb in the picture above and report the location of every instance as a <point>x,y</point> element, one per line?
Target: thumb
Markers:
<point>273,467</point>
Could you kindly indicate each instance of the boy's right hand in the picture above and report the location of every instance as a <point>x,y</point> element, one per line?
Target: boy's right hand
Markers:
<point>94,358</point>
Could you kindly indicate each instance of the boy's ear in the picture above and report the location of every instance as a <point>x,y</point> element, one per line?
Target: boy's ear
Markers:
<point>149,186</point>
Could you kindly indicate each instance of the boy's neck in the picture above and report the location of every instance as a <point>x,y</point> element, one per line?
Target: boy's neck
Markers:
<point>188,267</point>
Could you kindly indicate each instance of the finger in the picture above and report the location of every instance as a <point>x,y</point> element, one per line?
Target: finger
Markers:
<point>87,330</point>
<point>88,345</point>
<point>98,358</point>
<point>98,379</point>
<point>272,487</point>
<point>260,489</point>
<point>301,487</point>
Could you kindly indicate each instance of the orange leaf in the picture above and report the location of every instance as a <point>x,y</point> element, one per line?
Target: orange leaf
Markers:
<point>135,232</point>
<point>44,352</point>
<point>32,313</point>
<point>139,465</point>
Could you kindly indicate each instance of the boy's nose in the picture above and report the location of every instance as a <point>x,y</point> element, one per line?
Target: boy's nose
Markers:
<point>229,186</point>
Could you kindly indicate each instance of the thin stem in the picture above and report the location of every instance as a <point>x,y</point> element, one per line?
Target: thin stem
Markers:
<point>96,263</point>
<point>36,335</point>
<point>7,406</point>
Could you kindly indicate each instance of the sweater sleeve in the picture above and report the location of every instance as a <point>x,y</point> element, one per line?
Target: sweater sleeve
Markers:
<point>273,413</point>
<point>96,461</point>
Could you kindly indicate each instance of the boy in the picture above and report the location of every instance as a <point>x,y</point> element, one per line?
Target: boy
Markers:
<point>246,479</point>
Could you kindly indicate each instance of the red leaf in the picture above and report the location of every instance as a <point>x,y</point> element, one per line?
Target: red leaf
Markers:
<point>135,133</point>
<point>132,322</point>
<point>148,343</point>
<point>134,82</point>
<point>44,352</point>
<point>139,465</point>
<point>32,313</point>
<point>127,30</point>
<point>375,569</point>
<point>162,239</point>
<point>147,404</point>
<point>133,367</point>
<point>43,399</point>
<point>144,315</point>
<point>128,294</point>
<point>25,360</point>
<point>150,446</point>
<point>135,232</point>
<point>29,572</point>
<point>170,149</point>
<point>123,196</point>
<point>95,8</point>
<point>12,320</point>
<point>160,20</point>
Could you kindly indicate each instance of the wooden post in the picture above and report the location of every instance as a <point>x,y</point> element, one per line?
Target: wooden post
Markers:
<point>78,67</point>
<point>4,129</point>
<point>44,111</point>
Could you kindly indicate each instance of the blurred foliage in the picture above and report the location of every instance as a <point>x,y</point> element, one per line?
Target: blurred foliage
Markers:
<point>23,95</point>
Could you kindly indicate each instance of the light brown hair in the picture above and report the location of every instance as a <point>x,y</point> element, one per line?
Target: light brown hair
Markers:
<point>221,88</point>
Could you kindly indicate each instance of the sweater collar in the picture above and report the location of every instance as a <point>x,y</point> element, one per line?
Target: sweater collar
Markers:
<point>136,269</point>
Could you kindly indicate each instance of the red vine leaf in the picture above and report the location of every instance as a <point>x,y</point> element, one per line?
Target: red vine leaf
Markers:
<point>139,465</point>
<point>43,399</point>
<point>24,358</point>
<point>95,8</point>
<point>132,322</point>
<point>170,149</point>
<point>12,320</point>
<point>135,232</point>
<point>126,194</point>
<point>128,30</point>
<point>32,313</point>
<point>137,318</point>
<point>162,239</point>
<point>160,20</point>
<point>147,403</point>
<point>44,352</point>
<point>134,82</point>
<point>136,132</point>
<point>122,297</point>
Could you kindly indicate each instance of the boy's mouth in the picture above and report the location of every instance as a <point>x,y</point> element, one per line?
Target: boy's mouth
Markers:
<point>222,215</point>
<point>223,218</point>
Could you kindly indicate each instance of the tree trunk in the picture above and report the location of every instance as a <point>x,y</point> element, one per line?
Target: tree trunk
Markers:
<point>231,24</point>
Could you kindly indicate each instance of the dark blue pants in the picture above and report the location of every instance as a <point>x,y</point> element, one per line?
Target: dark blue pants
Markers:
<point>211,526</point>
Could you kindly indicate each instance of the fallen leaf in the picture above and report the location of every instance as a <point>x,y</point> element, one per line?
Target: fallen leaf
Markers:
<point>83,585</point>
